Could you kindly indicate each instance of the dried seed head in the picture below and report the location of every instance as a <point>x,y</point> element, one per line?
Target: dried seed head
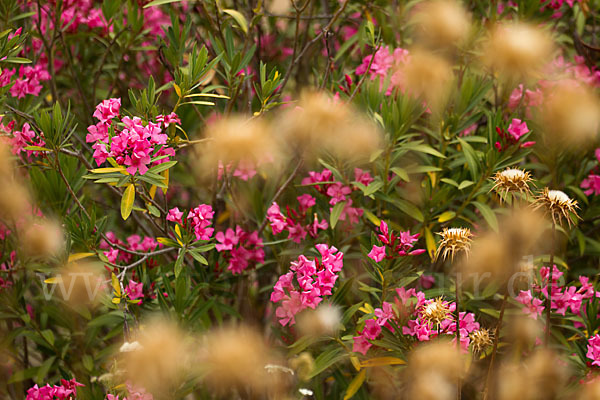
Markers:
<point>237,142</point>
<point>511,180</point>
<point>81,283</point>
<point>42,239</point>
<point>570,115</point>
<point>435,311</point>
<point>436,364</point>
<point>518,50</point>
<point>442,23</point>
<point>234,358</point>
<point>454,241</point>
<point>321,124</point>
<point>490,256</point>
<point>161,362</point>
<point>481,339</point>
<point>547,372</point>
<point>303,365</point>
<point>523,332</point>
<point>14,201</point>
<point>557,204</point>
<point>325,320</point>
<point>590,391</point>
<point>6,163</point>
<point>428,76</point>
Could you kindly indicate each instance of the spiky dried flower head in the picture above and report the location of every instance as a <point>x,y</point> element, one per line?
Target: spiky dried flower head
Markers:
<point>428,76</point>
<point>80,283</point>
<point>517,50</point>
<point>570,115</point>
<point>237,141</point>
<point>320,124</point>
<point>454,241</point>
<point>557,204</point>
<point>324,320</point>
<point>234,358</point>
<point>511,180</point>
<point>161,361</point>
<point>481,339</point>
<point>15,201</point>
<point>42,238</point>
<point>436,364</point>
<point>435,311</point>
<point>303,364</point>
<point>442,23</point>
<point>523,331</point>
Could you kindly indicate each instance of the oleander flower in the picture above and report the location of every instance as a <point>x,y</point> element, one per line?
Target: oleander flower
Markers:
<point>557,204</point>
<point>454,241</point>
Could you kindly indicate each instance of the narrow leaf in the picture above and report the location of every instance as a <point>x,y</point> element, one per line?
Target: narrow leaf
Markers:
<point>127,201</point>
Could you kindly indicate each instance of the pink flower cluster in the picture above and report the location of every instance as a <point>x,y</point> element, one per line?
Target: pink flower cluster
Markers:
<point>306,283</point>
<point>26,137</point>
<point>240,248</point>
<point>198,220</point>
<point>592,182</point>
<point>410,306</point>
<point>67,390</point>
<point>324,182</point>
<point>384,61</point>
<point>516,130</point>
<point>133,143</point>
<point>593,350</point>
<point>293,221</point>
<point>134,243</point>
<point>135,393</point>
<point>244,170</point>
<point>565,298</point>
<point>28,81</point>
<point>134,290</point>
<point>397,244</point>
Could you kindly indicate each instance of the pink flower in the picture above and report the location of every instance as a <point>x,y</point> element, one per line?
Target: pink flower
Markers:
<point>517,129</point>
<point>363,177</point>
<point>427,281</point>
<point>384,313</point>
<point>305,201</point>
<point>593,350</point>
<point>377,253</point>
<point>134,290</point>
<point>592,184</point>
<point>313,228</point>
<point>174,215</point>
<point>107,110</point>
<point>227,240</point>
<point>371,330</point>
<point>533,306</point>
<point>361,345</point>
<point>276,219</point>
<point>337,192</point>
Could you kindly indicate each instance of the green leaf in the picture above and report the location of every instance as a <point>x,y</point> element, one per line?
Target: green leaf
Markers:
<point>239,18</point>
<point>36,148</point>
<point>127,201</point>
<point>423,148</point>
<point>471,157</point>
<point>48,335</point>
<point>355,384</point>
<point>336,212</point>
<point>159,2</point>
<point>198,257</point>
<point>402,173</point>
<point>488,215</point>
<point>409,209</point>
<point>446,216</point>
<point>326,359</point>
<point>465,184</point>
<point>179,263</point>
<point>373,187</point>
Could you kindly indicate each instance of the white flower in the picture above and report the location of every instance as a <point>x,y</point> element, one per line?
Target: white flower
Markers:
<point>127,347</point>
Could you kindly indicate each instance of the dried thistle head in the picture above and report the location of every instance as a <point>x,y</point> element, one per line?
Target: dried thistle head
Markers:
<point>234,358</point>
<point>442,23</point>
<point>427,75</point>
<point>557,204</point>
<point>161,360</point>
<point>42,238</point>
<point>14,201</point>
<point>518,50</point>
<point>237,142</point>
<point>454,241</point>
<point>434,365</point>
<point>435,311</point>
<point>481,339</point>
<point>303,364</point>
<point>321,124</point>
<point>81,283</point>
<point>6,163</point>
<point>324,320</point>
<point>570,115</point>
<point>511,180</point>
<point>490,256</point>
<point>590,391</point>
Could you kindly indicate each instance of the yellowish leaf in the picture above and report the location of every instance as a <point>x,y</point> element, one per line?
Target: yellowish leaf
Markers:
<point>178,236</point>
<point>115,284</point>
<point>239,18</point>
<point>355,384</point>
<point>446,216</point>
<point>116,300</point>
<point>153,192</point>
<point>355,362</point>
<point>367,309</point>
<point>430,242</point>
<point>127,201</point>
<point>379,361</point>
<point>79,256</point>
<point>165,174</point>
<point>106,170</point>
<point>372,217</point>
<point>52,280</point>
<point>177,90</point>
